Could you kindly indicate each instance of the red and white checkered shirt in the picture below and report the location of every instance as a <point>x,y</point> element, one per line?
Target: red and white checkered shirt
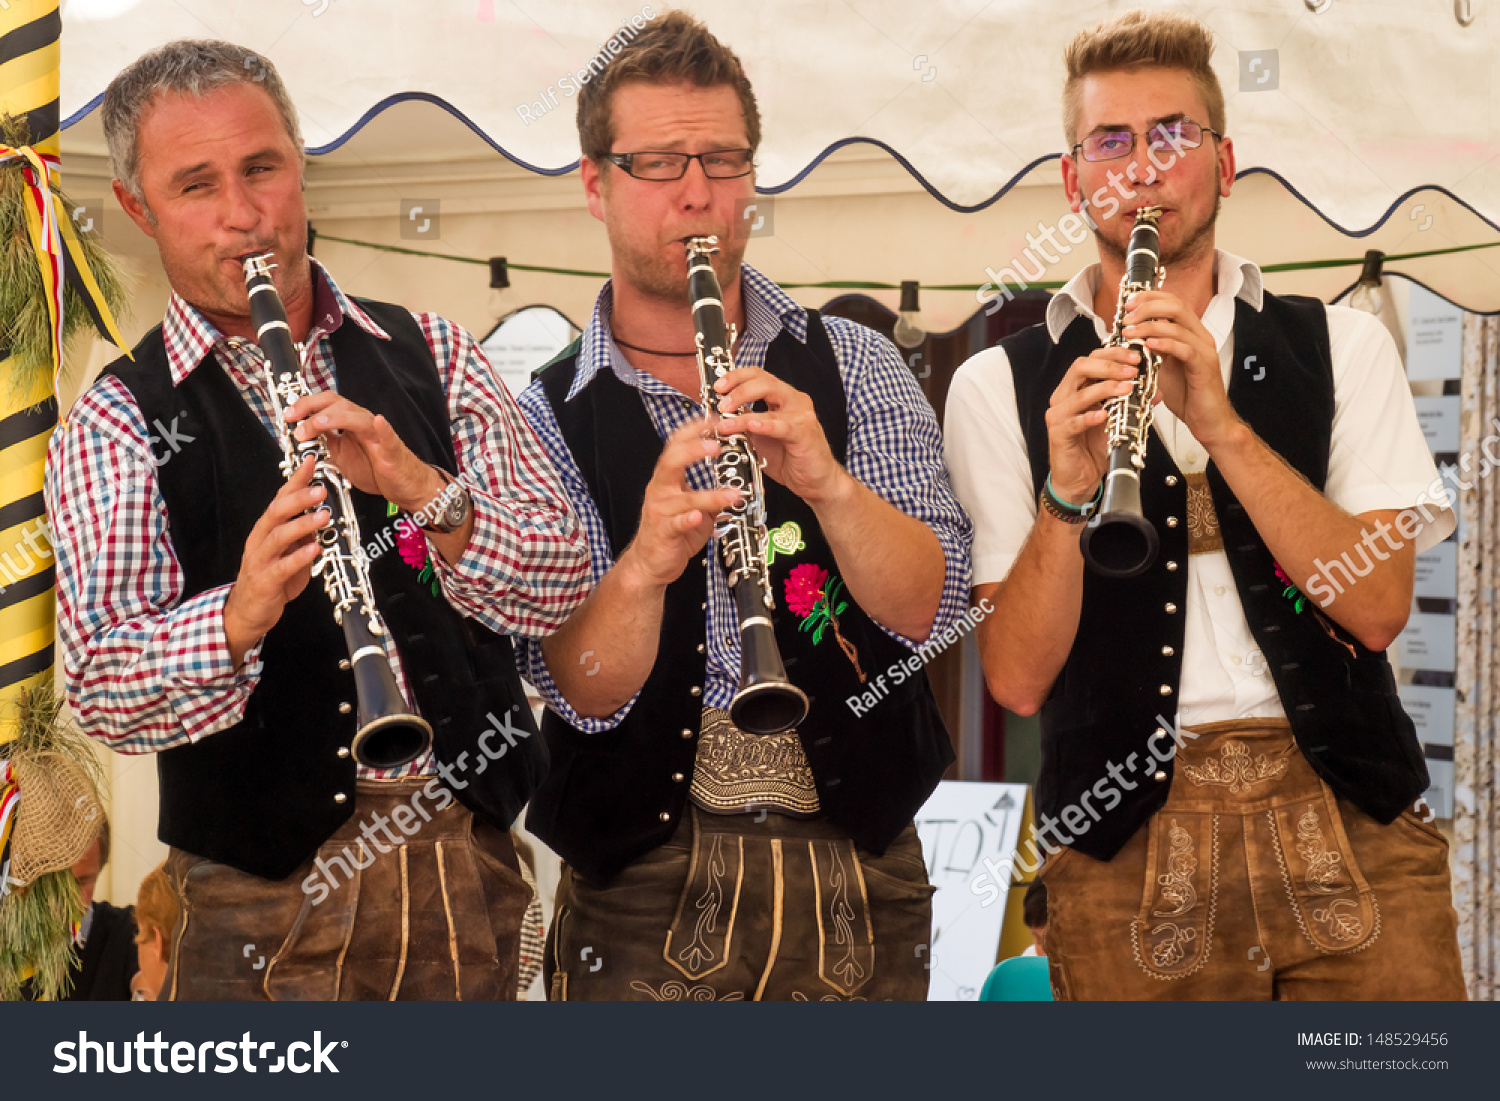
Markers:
<point>147,670</point>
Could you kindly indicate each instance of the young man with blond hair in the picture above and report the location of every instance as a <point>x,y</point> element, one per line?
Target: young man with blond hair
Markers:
<point>1227,774</point>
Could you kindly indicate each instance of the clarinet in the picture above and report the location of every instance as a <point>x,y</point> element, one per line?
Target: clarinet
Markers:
<point>766,703</point>
<point>1118,540</point>
<point>387,735</point>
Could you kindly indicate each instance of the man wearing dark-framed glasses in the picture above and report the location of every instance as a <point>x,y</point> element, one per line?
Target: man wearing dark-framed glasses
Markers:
<point>1228,777</point>
<point>718,164</point>
<point>705,863</point>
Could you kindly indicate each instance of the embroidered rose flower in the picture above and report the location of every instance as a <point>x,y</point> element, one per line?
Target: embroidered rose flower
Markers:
<point>804,588</point>
<point>412,544</point>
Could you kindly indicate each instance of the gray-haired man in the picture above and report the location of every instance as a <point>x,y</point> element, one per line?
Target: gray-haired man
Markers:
<point>189,626</point>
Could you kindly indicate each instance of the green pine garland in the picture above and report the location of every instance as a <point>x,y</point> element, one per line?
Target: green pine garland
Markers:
<point>36,921</point>
<point>25,331</point>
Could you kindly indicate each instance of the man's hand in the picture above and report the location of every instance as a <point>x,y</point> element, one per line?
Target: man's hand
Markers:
<point>366,450</point>
<point>788,437</point>
<point>676,521</point>
<point>1075,421</point>
<point>276,563</point>
<point>1190,382</point>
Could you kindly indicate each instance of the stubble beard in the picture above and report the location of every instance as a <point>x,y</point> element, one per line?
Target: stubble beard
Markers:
<point>654,275</point>
<point>1198,241</point>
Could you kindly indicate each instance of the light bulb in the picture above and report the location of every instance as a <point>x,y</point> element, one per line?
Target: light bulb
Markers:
<point>1366,297</point>
<point>908,331</point>
<point>1366,294</point>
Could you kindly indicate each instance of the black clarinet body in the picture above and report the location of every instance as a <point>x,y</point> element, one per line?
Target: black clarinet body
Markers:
<point>387,734</point>
<point>1118,540</point>
<point>766,702</point>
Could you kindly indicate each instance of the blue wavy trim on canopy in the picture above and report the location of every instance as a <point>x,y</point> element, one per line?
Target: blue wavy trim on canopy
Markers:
<point>438,101</point>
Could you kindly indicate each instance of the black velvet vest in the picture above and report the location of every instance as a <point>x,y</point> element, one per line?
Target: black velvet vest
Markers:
<point>260,795</point>
<point>611,797</point>
<point>1126,662</point>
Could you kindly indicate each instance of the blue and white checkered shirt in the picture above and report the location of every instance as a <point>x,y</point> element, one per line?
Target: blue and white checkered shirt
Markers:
<point>895,448</point>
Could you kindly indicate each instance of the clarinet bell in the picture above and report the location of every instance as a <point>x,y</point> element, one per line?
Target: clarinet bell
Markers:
<point>768,708</point>
<point>1118,540</point>
<point>387,736</point>
<point>391,741</point>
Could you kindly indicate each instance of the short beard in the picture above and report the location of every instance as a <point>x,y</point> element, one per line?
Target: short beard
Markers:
<point>1199,240</point>
<point>654,276</point>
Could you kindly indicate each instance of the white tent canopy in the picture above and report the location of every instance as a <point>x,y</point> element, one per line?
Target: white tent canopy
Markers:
<point>1362,103</point>
<point>1381,123</point>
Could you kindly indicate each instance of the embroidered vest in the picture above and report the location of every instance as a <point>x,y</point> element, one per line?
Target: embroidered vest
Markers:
<point>614,796</point>
<point>1126,662</point>
<point>263,794</point>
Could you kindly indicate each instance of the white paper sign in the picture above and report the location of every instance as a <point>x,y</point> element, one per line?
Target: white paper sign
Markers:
<point>1427,643</point>
<point>1431,711</point>
<point>1437,572</point>
<point>1439,419</point>
<point>1440,795</point>
<point>525,341</point>
<point>967,828</point>
<point>1433,337</point>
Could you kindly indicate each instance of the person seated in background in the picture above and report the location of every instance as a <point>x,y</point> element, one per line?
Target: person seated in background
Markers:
<point>1034,914</point>
<point>155,918</point>
<point>106,945</point>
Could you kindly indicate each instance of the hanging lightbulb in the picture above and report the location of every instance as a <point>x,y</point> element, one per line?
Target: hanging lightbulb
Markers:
<point>1367,294</point>
<point>908,331</point>
<point>500,296</point>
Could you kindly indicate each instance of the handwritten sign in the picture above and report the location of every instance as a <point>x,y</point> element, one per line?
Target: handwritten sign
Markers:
<point>967,829</point>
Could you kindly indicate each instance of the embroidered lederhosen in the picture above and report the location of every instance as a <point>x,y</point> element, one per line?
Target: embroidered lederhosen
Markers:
<point>1289,819</point>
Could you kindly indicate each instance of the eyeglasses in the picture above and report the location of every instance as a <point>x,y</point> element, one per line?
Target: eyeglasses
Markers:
<point>1178,136</point>
<point>720,164</point>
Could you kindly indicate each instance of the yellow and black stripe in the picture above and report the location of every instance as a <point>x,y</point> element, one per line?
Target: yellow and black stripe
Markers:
<point>29,87</point>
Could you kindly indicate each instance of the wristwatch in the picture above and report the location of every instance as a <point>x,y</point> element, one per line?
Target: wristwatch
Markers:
<point>450,517</point>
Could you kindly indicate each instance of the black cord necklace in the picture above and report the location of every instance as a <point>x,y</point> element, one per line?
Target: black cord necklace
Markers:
<point>649,351</point>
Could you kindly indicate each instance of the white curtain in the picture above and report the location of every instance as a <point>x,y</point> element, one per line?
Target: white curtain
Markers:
<point>1476,749</point>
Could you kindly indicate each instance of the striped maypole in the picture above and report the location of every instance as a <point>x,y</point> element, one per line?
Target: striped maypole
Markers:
<point>29,88</point>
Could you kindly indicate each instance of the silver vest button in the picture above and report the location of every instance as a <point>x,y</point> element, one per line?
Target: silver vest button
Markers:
<point>341,798</point>
<point>1167,651</point>
<point>1160,776</point>
<point>345,708</point>
<point>665,816</point>
<point>1171,479</point>
<point>1171,608</point>
<point>1171,521</point>
<point>1165,690</point>
<point>677,777</point>
<point>1171,565</point>
<point>343,751</point>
